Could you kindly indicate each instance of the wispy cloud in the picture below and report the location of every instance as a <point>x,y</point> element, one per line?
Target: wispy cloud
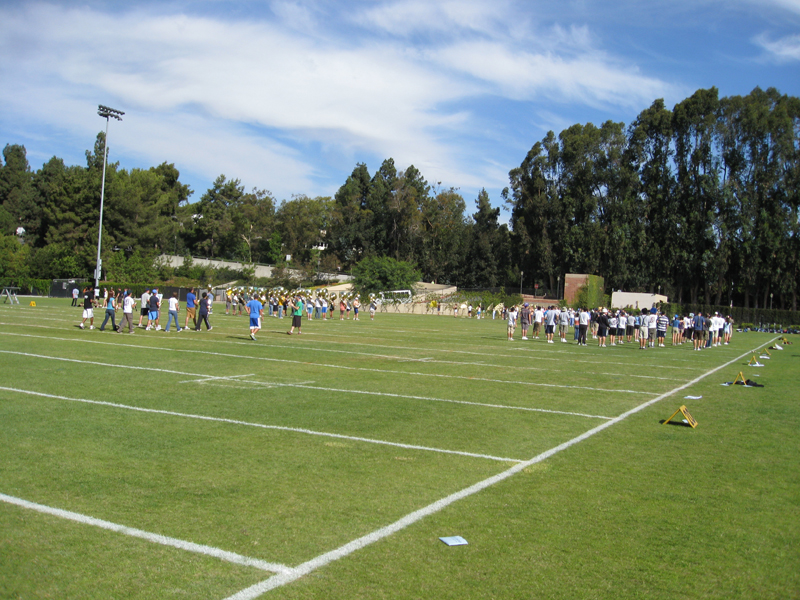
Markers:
<point>783,49</point>
<point>271,98</point>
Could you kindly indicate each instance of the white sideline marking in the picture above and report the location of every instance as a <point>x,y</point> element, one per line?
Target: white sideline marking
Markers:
<point>262,425</point>
<point>204,379</point>
<point>365,369</point>
<point>150,537</point>
<point>201,378</point>
<point>426,398</point>
<point>324,559</point>
<point>534,346</point>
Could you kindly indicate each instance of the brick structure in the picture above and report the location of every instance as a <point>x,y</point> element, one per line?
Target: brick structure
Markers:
<point>572,283</point>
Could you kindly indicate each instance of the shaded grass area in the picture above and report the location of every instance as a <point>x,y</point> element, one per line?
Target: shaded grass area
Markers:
<point>640,510</point>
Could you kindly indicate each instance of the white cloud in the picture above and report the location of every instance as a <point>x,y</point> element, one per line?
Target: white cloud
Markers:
<point>257,98</point>
<point>784,49</point>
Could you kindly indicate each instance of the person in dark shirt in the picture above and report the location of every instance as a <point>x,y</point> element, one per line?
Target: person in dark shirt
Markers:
<point>602,328</point>
<point>203,313</point>
<point>153,311</point>
<point>88,307</point>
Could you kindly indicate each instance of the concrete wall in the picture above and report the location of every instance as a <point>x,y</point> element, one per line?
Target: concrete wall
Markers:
<point>623,299</point>
<point>174,261</point>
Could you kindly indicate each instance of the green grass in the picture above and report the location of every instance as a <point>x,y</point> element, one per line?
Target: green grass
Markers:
<point>639,510</point>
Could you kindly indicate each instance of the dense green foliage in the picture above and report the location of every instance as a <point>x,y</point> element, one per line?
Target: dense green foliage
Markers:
<point>383,273</point>
<point>699,202</point>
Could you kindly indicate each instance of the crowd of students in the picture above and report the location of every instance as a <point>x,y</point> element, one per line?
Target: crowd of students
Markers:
<point>198,310</point>
<point>647,328</point>
<point>150,309</point>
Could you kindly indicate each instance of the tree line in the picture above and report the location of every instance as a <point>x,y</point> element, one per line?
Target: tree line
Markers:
<point>699,202</point>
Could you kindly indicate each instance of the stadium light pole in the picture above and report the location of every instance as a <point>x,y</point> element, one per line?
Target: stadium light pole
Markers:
<point>107,113</point>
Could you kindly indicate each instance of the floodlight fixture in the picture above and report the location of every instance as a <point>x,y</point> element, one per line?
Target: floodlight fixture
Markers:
<point>107,113</point>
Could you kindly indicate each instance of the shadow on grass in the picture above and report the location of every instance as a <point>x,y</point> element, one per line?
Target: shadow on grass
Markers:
<point>676,423</point>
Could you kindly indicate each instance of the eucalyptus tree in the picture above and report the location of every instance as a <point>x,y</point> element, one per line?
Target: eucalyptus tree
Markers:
<point>534,201</point>
<point>443,239</point>
<point>657,222</point>
<point>698,191</point>
<point>352,224</point>
<point>302,223</point>
<point>17,193</point>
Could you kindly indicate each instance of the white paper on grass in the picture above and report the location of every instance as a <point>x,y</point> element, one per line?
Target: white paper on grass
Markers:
<point>692,397</point>
<point>454,540</point>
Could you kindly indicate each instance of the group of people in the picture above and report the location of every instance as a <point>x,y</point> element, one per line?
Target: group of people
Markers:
<point>317,307</point>
<point>647,328</point>
<point>150,309</point>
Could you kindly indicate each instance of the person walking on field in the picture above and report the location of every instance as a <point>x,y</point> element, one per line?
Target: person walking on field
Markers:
<point>145,307</point>
<point>172,313</point>
<point>153,313</point>
<point>203,313</point>
<point>296,306</point>
<point>512,323</point>
<point>191,309</point>
<point>255,309</point>
<point>128,306</point>
<point>75,294</point>
<point>111,308</point>
<point>88,307</point>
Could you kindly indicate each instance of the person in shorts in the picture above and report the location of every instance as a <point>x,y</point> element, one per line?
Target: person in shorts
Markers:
<point>296,306</point>
<point>525,319</point>
<point>145,306</point>
<point>512,322</point>
<point>154,312</point>
<point>602,328</point>
<point>538,317</point>
<point>255,309</point>
<point>191,309</point>
<point>88,307</point>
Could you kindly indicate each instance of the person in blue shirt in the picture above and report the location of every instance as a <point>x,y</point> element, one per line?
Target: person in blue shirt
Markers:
<point>255,309</point>
<point>191,309</point>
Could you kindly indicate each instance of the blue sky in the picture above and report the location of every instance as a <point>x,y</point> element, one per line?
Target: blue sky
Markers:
<point>289,96</point>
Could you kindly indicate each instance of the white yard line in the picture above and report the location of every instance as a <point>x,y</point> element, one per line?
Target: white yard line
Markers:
<point>362,369</point>
<point>524,347</point>
<point>200,378</point>
<point>324,559</point>
<point>150,537</point>
<point>264,426</point>
<point>425,398</point>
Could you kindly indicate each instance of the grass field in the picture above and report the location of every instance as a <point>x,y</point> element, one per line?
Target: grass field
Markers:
<point>328,465</point>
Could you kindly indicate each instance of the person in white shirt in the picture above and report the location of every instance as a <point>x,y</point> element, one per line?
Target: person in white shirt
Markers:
<point>652,325</point>
<point>512,322</point>
<point>128,304</point>
<point>174,307</point>
<point>145,306</point>
<point>538,317</point>
<point>563,325</point>
<point>583,324</point>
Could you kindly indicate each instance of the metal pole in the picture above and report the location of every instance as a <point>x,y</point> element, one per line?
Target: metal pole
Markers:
<point>102,199</point>
<point>105,112</point>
